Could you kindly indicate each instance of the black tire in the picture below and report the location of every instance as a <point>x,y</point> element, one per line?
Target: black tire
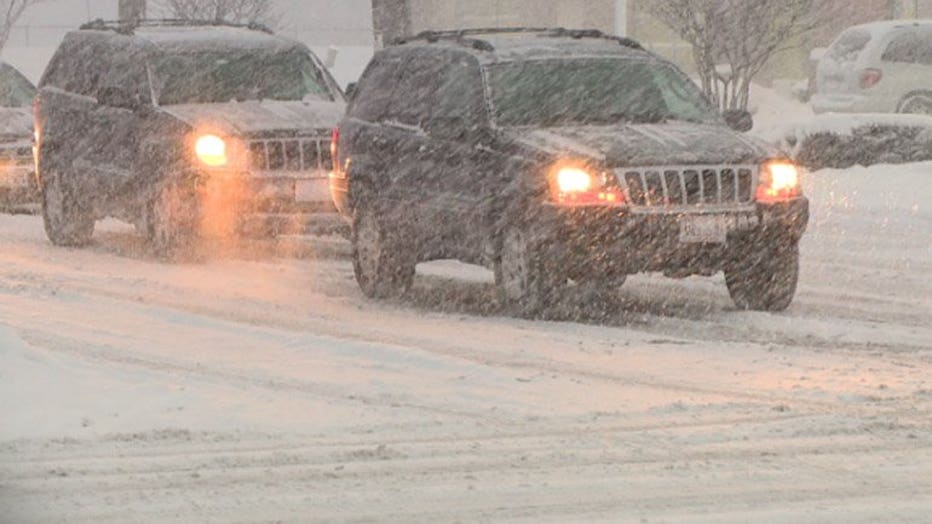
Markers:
<point>526,278</point>
<point>67,222</point>
<point>171,222</point>
<point>765,279</point>
<point>383,263</point>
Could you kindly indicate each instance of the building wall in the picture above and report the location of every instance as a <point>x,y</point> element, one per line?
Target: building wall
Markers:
<point>461,14</point>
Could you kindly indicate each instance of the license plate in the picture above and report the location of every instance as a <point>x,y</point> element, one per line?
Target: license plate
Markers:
<point>316,190</point>
<point>712,229</point>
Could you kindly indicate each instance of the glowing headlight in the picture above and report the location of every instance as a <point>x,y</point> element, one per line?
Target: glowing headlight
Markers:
<point>574,180</point>
<point>212,151</point>
<point>779,180</point>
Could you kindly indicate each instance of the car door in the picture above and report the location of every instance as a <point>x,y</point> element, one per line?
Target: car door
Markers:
<point>468,170</point>
<point>409,170</point>
<point>907,67</point>
<point>123,99</point>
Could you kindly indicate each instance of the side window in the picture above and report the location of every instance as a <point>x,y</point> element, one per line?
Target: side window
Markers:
<point>77,66</point>
<point>374,93</point>
<point>123,67</point>
<point>420,81</point>
<point>459,99</point>
<point>909,48</point>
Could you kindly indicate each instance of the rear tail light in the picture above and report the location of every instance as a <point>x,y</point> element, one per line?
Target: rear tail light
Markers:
<point>870,78</point>
<point>335,149</point>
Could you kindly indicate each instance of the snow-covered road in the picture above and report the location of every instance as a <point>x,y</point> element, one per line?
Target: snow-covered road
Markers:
<point>260,386</point>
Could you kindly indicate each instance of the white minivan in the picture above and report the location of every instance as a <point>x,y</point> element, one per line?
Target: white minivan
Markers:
<point>883,67</point>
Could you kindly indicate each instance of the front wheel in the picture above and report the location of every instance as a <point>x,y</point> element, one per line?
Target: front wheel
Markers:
<point>383,266</point>
<point>171,221</point>
<point>525,277</point>
<point>67,223</point>
<point>765,279</point>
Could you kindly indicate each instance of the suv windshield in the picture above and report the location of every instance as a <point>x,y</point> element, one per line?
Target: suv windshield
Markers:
<point>209,77</point>
<point>594,91</point>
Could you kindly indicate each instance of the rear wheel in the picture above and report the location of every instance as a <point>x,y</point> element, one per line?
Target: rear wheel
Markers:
<point>525,277</point>
<point>383,264</point>
<point>67,222</point>
<point>765,279</point>
<point>918,104</point>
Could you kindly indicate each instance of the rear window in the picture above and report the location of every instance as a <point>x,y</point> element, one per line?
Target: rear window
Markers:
<point>15,90</point>
<point>849,45</point>
<point>910,48</point>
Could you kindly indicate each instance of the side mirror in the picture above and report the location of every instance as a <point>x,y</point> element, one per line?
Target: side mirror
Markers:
<point>351,90</point>
<point>119,97</point>
<point>739,120</point>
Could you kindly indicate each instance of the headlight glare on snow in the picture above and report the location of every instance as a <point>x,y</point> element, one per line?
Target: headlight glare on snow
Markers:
<point>779,180</point>
<point>212,151</point>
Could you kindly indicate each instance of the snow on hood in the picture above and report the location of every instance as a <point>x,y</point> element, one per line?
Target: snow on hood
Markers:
<point>648,144</point>
<point>15,124</point>
<point>247,118</point>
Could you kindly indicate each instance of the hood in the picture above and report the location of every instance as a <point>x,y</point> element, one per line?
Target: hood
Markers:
<point>254,117</point>
<point>15,124</point>
<point>667,144</point>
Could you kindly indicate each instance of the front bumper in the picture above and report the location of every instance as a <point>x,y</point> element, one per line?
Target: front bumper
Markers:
<point>18,184</point>
<point>626,241</point>
<point>270,203</point>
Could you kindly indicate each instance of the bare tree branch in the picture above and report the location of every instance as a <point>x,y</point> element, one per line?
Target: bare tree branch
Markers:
<point>236,11</point>
<point>732,40</point>
<point>11,10</point>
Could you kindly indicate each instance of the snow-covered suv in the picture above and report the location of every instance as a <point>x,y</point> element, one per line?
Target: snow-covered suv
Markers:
<point>176,126</point>
<point>883,67</point>
<point>17,178</point>
<point>556,155</point>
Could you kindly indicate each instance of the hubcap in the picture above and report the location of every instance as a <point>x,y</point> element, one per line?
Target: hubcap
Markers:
<point>514,265</point>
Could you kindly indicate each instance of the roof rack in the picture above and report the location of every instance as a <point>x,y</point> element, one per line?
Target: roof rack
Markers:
<point>461,36</point>
<point>129,28</point>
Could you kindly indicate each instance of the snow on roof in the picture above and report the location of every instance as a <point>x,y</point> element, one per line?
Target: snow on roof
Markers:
<point>211,37</point>
<point>886,25</point>
<point>509,47</point>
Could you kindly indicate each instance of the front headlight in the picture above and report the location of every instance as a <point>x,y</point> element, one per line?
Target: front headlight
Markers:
<point>779,180</point>
<point>574,180</point>
<point>576,185</point>
<point>212,151</point>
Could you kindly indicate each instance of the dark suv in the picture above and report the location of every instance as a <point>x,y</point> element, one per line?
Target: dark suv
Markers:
<point>555,156</point>
<point>179,127</point>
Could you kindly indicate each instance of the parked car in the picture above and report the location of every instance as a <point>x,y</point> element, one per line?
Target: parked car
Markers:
<point>164,123</point>
<point>884,67</point>
<point>555,155</point>
<point>17,170</point>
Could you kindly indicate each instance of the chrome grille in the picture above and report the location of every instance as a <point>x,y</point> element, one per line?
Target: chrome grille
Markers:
<point>290,154</point>
<point>688,185</point>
